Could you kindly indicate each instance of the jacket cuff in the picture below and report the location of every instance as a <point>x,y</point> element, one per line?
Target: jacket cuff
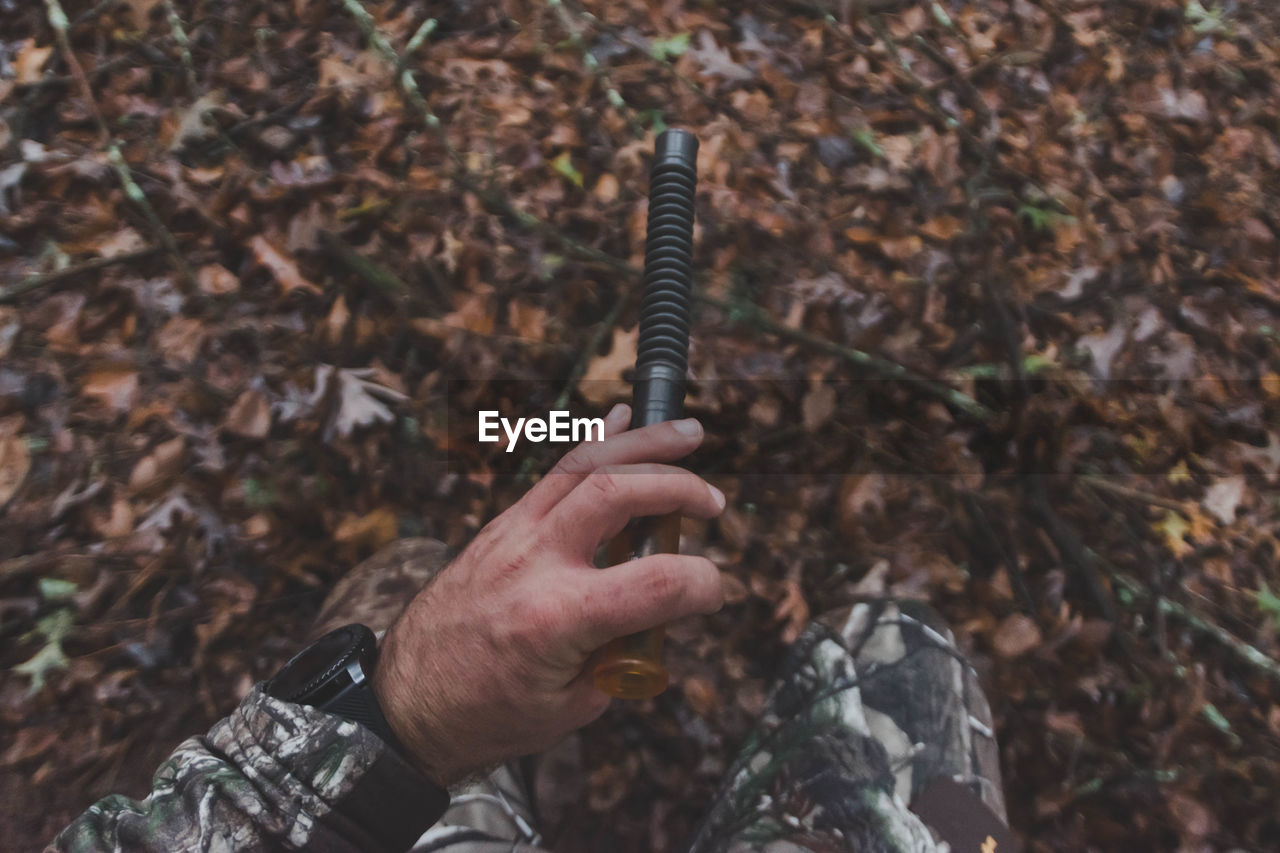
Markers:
<point>307,763</point>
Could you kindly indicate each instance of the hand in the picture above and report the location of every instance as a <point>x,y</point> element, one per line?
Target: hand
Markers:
<point>487,661</point>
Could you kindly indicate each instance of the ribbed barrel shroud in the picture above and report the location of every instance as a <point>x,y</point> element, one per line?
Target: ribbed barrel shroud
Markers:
<point>662,355</point>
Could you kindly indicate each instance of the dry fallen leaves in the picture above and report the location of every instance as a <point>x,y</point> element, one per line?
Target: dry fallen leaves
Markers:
<point>602,382</point>
<point>250,415</point>
<point>359,400</point>
<point>818,405</point>
<point>15,462</point>
<point>701,695</point>
<point>282,267</point>
<point>528,321</point>
<point>368,531</point>
<point>792,610</point>
<point>217,280</point>
<point>114,387</point>
<point>180,339</point>
<point>1016,635</point>
<point>158,466</point>
<point>30,60</point>
<point>1223,497</point>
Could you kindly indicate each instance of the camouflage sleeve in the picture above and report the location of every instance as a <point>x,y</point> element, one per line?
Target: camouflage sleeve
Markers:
<point>271,776</point>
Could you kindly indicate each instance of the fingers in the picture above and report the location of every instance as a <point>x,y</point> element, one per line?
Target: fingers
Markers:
<point>617,419</point>
<point>645,593</point>
<point>602,504</point>
<point>664,442</point>
<point>583,702</point>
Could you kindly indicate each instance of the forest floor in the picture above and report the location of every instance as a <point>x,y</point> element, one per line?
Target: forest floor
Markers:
<point>990,315</point>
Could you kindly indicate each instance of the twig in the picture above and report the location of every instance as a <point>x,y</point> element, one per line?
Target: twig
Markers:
<point>865,360</point>
<point>602,74</point>
<point>372,272</point>
<point>420,35</point>
<point>58,20</point>
<point>187,281</point>
<point>35,282</point>
<point>1009,58</point>
<point>980,108</point>
<point>184,45</point>
<point>1104,484</point>
<point>93,12</point>
<point>380,276</point>
<point>388,282</point>
<point>977,187</point>
<point>269,118</point>
<point>1143,550</point>
<point>905,73</point>
<point>863,7</point>
<point>37,86</point>
<point>927,93</point>
<point>1004,552</point>
<point>1069,545</point>
<point>1249,654</point>
<point>404,78</point>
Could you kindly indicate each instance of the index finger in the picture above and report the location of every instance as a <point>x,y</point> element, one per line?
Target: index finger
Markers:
<point>664,442</point>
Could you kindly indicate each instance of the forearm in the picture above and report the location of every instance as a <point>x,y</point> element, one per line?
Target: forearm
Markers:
<point>271,775</point>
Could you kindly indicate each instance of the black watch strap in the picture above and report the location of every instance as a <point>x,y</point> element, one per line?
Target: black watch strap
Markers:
<point>332,674</point>
<point>357,702</point>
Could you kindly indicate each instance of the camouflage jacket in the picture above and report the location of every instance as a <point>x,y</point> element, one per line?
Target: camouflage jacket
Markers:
<point>271,776</point>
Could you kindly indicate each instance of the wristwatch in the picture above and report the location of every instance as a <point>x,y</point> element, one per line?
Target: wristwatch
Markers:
<point>332,674</point>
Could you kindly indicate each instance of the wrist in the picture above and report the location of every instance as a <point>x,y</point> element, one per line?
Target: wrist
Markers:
<point>408,714</point>
<point>335,676</point>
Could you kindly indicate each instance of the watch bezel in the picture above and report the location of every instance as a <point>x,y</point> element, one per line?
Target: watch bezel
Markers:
<point>300,683</point>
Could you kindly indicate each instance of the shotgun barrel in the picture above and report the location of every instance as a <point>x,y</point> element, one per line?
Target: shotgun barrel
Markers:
<point>631,667</point>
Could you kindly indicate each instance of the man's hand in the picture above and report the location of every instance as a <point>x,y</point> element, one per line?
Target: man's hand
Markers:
<point>487,661</point>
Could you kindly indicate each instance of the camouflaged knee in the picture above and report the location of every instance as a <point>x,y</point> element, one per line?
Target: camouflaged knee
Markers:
<point>874,714</point>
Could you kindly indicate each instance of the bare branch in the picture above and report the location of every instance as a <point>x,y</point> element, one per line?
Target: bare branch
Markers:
<point>184,45</point>
<point>872,363</point>
<point>131,189</point>
<point>58,20</point>
<point>36,282</point>
<point>593,65</point>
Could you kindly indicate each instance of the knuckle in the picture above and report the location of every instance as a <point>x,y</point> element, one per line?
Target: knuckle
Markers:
<point>577,462</point>
<point>664,582</point>
<point>490,539</point>
<point>536,620</point>
<point>605,482</point>
<point>693,485</point>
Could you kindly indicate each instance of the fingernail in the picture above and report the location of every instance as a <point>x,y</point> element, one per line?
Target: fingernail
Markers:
<point>716,495</point>
<point>688,426</point>
<point>616,412</point>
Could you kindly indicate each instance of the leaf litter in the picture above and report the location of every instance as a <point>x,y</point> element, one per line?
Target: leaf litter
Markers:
<point>217,398</point>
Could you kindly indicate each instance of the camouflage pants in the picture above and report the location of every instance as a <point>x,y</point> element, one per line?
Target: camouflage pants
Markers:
<point>874,709</point>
